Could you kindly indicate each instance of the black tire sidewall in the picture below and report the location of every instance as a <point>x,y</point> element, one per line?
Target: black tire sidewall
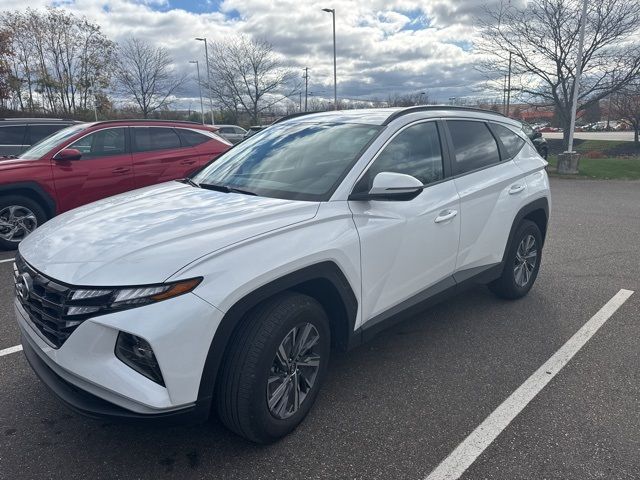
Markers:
<point>21,200</point>
<point>272,428</point>
<point>526,228</point>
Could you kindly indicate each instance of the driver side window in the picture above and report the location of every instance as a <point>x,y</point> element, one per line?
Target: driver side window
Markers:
<point>102,143</point>
<point>415,151</point>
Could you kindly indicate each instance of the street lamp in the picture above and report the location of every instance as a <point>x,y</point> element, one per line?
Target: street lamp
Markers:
<point>332,11</point>
<point>206,56</point>
<point>200,88</point>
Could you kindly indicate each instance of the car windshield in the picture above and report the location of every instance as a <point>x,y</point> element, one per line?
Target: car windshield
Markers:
<point>46,144</point>
<point>304,161</point>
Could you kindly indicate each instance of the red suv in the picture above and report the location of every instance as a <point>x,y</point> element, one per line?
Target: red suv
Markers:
<point>90,161</point>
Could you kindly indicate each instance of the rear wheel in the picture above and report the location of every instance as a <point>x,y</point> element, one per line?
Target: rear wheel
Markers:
<point>273,370</point>
<point>19,216</point>
<point>522,263</point>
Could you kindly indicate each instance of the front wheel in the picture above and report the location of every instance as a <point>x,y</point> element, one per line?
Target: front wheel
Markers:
<point>274,367</point>
<point>19,216</point>
<point>522,263</point>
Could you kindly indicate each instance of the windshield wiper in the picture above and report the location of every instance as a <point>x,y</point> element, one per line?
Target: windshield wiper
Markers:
<point>190,182</point>
<point>225,189</point>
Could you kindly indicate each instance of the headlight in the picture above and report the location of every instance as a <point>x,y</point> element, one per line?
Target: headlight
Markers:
<point>88,301</point>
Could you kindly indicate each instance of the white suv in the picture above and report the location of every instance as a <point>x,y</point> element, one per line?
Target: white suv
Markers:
<point>226,291</point>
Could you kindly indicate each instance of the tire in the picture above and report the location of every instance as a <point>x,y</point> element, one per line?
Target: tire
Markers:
<point>519,276</point>
<point>19,216</point>
<point>251,372</point>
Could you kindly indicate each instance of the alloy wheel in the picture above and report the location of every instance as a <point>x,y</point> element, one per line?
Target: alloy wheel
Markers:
<point>525,261</point>
<point>16,222</point>
<point>293,371</point>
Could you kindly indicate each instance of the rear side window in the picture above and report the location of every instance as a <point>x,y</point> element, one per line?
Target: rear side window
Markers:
<point>511,141</point>
<point>13,135</point>
<point>154,138</point>
<point>227,130</point>
<point>38,132</point>
<point>103,143</point>
<point>415,151</point>
<point>473,144</point>
<point>189,138</point>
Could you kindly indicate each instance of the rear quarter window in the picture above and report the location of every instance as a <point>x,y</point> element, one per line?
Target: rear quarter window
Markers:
<point>190,138</point>
<point>511,141</point>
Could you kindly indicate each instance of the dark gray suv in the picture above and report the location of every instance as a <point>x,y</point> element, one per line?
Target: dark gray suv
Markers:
<point>18,134</point>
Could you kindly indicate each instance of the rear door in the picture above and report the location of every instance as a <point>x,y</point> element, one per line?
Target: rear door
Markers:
<point>159,155</point>
<point>489,184</point>
<point>105,169</point>
<point>12,139</point>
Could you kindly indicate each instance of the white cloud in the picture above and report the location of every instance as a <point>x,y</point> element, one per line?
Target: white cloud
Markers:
<point>384,46</point>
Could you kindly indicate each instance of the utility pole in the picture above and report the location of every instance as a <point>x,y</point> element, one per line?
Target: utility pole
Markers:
<point>576,82</point>
<point>206,56</point>
<point>306,86</point>
<point>509,87</point>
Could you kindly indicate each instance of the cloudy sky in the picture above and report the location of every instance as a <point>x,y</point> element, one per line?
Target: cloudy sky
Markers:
<point>383,46</point>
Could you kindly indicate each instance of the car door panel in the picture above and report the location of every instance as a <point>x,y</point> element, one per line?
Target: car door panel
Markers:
<point>100,173</point>
<point>403,249</point>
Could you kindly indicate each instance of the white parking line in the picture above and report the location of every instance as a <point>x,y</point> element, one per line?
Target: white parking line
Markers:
<point>7,260</point>
<point>470,449</point>
<point>10,350</point>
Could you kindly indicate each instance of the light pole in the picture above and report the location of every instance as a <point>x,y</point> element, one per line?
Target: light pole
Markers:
<point>306,86</point>
<point>335,76</point>
<point>576,82</point>
<point>200,88</point>
<point>206,56</point>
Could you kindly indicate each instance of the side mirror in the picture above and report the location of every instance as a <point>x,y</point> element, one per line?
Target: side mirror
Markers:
<point>391,186</point>
<point>537,134</point>
<point>68,154</point>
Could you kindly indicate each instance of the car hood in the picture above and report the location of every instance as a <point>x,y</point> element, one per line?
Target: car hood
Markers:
<point>146,235</point>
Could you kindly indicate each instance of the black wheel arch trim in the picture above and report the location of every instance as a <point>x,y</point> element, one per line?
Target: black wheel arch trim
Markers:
<point>539,204</point>
<point>44,198</point>
<point>324,271</point>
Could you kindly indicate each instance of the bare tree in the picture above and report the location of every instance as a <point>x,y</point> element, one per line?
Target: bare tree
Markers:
<point>626,106</point>
<point>146,76</point>
<point>5,69</point>
<point>541,40</point>
<point>58,61</point>
<point>408,99</point>
<point>247,76</point>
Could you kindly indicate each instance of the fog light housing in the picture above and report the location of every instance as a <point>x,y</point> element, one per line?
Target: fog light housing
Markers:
<point>138,354</point>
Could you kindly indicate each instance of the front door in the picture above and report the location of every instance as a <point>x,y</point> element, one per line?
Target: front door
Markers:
<point>407,246</point>
<point>104,169</point>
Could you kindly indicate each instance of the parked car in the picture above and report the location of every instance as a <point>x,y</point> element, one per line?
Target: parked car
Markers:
<point>254,129</point>
<point>18,134</point>
<point>89,161</point>
<point>227,291</point>
<point>233,133</point>
<point>537,139</point>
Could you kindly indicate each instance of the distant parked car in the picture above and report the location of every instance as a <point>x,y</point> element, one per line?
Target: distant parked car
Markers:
<point>537,139</point>
<point>254,129</point>
<point>90,161</point>
<point>233,133</point>
<point>18,134</point>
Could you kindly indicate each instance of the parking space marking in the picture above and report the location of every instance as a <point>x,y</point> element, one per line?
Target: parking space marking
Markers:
<point>10,350</point>
<point>7,260</point>
<point>471,447</point>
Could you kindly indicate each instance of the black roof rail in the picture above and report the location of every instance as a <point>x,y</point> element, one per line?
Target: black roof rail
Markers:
<point>427,108</point>
<point>293,115</point>
<point>189,122</point>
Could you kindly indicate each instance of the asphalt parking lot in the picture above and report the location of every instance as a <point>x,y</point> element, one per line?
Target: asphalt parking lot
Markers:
<point>399,405</point>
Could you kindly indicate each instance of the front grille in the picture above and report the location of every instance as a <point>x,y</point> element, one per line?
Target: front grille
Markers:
<point>45,301</point>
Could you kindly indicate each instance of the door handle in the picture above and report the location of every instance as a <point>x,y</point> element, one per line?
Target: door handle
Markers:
<point>187,162</point>
<point>445,215</point>
<point>121,170</point>
<point>516,189</point>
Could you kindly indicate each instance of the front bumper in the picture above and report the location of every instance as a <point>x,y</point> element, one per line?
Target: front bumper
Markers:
<point>86,374</point>
<point>92,406</point>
